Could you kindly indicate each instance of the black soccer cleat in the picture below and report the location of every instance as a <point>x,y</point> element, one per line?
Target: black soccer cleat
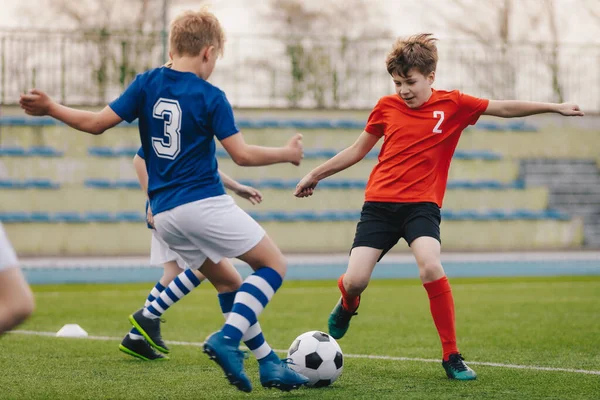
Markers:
<point>140,349</point>
<point>150,329</point>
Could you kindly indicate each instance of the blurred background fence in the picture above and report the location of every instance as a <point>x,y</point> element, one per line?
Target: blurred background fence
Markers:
<point>259,71</point>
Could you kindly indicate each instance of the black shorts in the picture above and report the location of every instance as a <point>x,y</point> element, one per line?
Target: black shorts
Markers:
<point>382,225</point>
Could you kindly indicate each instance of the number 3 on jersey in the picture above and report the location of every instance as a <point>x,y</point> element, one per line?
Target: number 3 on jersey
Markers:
<point>169,145</point>
<point>440,116</point>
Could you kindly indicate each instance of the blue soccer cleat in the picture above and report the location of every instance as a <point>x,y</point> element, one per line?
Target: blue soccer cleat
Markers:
<point>230,358</point>
<point>278,374</point>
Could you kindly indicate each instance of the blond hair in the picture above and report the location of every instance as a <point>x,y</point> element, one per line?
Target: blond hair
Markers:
<point>417,51</point>
<point>194,30</point>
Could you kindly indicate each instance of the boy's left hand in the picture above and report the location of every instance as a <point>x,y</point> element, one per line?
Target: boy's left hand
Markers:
<point>570,110</point>
<point>35,103</point>
<point>249,193</point>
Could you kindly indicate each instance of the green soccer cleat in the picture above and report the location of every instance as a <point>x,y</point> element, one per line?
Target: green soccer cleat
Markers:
<point>140,349</point>
<point>339,320</point>
<point>457,369</point>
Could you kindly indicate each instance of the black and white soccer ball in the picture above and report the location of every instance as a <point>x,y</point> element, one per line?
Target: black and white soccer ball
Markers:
<point>317,356</point>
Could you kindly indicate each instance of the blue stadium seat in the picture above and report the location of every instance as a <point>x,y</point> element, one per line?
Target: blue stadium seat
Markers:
<point>488,126</point>
<point>44,151</point>
<point>526,214</point>
<point>14,217</point>
<point>305,216</point>
<point>477,155</point>
<point>520,126</point>
<point>102,152</point>
<point>27,121</point>
<point>126,184</point>
<point>98,183</point>
<point>41,184</point>
<point>68,217</point>
<point>130,216</point>
<point>348,124</point>
<point>557,215</point>
<point>99,217</point>
<point>40,216</point>
<point>126,152</point>
<point>497,214</point>
<point>12,184</point>
<point>13,151</point>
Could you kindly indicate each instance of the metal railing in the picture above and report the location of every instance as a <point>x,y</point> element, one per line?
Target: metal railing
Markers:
<point>92,68</point>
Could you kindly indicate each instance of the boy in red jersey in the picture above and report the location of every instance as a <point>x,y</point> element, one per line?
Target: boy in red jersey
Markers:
<point>405,190</point>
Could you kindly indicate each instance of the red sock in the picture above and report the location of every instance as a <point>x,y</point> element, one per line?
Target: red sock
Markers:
<point>350,303</point>
<point>441,304</point>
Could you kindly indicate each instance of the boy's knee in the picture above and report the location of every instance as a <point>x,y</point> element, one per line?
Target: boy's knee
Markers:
<point>279,264</point>
<point>355,286</point>
<point>430,271</point>
<point>13,315</point>
<point>226,287</point>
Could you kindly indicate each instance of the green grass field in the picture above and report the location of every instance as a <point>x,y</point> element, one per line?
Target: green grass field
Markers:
<point>529,322</point>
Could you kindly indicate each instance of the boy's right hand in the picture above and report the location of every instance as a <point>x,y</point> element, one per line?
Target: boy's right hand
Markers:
<point>306,186</point>
<point>296,149</point>
<point>36,103</point>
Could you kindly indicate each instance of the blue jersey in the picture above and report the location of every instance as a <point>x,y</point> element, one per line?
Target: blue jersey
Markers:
<point>179,117</point>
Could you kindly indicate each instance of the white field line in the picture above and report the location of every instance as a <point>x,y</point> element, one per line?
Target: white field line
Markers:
<point>368,356</point>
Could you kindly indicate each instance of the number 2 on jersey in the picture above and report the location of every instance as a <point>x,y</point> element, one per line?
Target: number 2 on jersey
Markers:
<point>440,115</point>
<point>169,145</point>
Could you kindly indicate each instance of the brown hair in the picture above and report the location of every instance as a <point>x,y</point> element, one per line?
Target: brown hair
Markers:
<point>417,51</point>
<point>194,30</point>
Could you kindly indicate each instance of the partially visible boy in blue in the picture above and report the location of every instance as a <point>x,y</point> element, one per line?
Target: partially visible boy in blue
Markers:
<point>179,115</point>
<point>178,280</point>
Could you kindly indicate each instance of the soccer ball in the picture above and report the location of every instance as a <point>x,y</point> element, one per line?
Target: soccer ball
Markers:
<point>317,356</point>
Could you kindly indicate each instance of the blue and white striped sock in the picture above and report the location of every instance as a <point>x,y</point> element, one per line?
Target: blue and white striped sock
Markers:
<point>253,338</point>
<point>250,300</point>
<point>154,293</point>
<point>183,283</point>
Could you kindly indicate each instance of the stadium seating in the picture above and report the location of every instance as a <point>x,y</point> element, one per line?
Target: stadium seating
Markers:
<point>67,193</point>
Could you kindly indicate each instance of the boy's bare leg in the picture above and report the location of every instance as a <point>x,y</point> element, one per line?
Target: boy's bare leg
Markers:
<point>16,299</point>
<point>356,279</point>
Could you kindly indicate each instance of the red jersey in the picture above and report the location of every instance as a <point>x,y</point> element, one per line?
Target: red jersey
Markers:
<point>418,145</point>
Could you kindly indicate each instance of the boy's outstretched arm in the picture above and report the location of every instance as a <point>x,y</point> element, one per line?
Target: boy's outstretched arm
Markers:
<point>38,103</point>
<point>247,192</point>
<point>344,159</point>
<point>517,108</point>
<point>253,156</point>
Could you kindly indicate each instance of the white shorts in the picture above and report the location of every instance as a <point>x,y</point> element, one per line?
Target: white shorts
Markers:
<point>8,257</point>
<point>160,253</point>
<point>214,228</point>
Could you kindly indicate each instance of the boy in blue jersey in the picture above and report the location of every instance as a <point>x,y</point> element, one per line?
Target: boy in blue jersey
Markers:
<point>167,289</point>
<point>179,115</point>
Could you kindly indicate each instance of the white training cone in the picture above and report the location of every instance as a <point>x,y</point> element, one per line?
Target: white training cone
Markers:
<point>71,330</point>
